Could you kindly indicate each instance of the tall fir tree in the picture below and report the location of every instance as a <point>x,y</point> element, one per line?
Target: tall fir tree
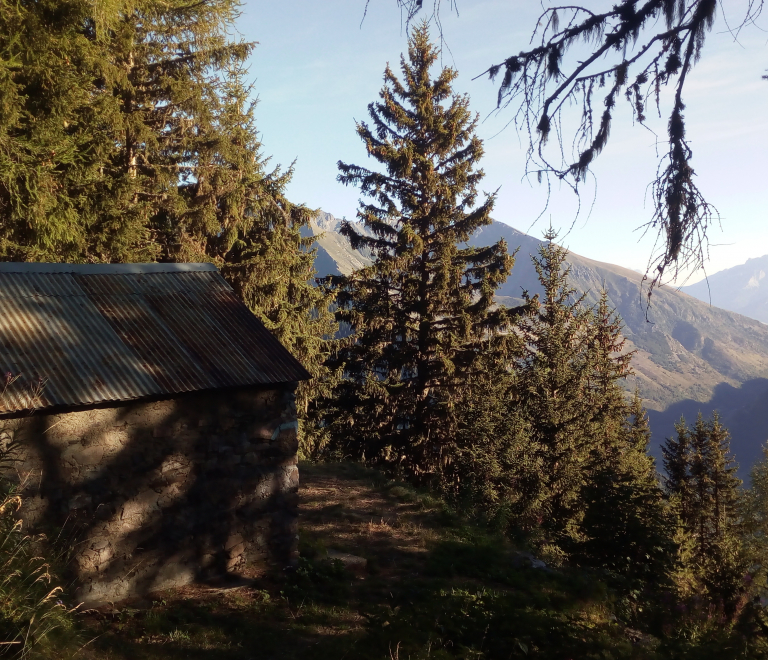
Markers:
<point>263,255</point>
<point>424,310</point>
<point>608,366</point>
<point>553,389</point>
<point>676,456</point>
<point>627,527</point>
<point>495,464</point>
<point>703,487</point>
<point>47,161</point>
<point>754,516</point>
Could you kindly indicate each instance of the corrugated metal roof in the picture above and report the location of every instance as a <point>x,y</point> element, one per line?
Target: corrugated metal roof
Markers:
<point>98,333</point>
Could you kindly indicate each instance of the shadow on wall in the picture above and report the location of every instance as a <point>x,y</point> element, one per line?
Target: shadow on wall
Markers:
<point>745,415</point>
<point>161,493</point>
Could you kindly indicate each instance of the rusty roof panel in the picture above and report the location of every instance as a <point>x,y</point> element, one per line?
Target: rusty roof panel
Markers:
<point>95,334</point>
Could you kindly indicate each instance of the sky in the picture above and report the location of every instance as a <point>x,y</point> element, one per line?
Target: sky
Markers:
<point>318,65</point>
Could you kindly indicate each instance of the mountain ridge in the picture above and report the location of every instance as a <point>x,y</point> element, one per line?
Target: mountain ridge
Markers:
<point>742,289</point>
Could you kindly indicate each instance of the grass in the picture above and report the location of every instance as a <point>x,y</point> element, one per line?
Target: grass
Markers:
<point>435,587</point>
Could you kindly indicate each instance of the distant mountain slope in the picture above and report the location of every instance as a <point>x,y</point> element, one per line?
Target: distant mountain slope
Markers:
<point>335,256</point>
<point>690,356</point>
<point>742,289</point>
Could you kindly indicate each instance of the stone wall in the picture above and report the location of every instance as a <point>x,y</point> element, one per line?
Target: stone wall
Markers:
<point>162,493</point>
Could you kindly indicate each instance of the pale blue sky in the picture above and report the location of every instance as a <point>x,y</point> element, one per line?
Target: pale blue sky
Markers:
<point>316,69</point>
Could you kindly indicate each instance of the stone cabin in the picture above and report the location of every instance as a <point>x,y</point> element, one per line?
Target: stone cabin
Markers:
<point>153,420</point>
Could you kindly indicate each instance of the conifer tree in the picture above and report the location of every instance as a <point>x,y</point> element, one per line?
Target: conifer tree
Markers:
<point>754,515</point>
<point>724,562</point>
<point>676,456</point>
<point>608,366</point>
<point>627,527</point>
<point>423,311</point>
<point>703,486</point>
<point>495,464</point>
<point>263,254</point>
<point>47,163</point>
<point>553,389</point>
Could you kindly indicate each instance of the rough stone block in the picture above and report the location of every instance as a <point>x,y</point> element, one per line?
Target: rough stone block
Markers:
<point>262,431</point>
<point>232,541</point>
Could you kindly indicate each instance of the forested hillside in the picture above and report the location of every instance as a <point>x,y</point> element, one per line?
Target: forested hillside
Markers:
<point>690,356</point>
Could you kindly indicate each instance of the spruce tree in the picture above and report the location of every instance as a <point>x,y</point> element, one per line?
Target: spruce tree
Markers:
<point>47,161</point>
<point>627,527</point>
<point>260,249</point>
<point>554,391</point>
<point>495,464</point>
<point>723,561</point>
<point>702,484</point>
<point>676,456</point>
<point>754,514</point>
<point>423,311</point>
<point>609,365</point>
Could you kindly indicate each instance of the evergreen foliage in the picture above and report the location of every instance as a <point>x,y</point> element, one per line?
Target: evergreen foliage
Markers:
<point>495,466</point>
<point>627,527</point>
<point>705,492</point>
<point>423,311</point>
<point>754,529</point>
<point>553,388</point>
<point>47,161</point>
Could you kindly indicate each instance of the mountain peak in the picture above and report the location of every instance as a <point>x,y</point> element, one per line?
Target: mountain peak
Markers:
<point>742,289</point>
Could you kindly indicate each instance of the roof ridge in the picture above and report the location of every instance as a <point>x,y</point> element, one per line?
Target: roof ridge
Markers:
<point>104,269</point>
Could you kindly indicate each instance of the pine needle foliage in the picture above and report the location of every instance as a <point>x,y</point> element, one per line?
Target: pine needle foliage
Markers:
<point>754,515</point>
<point>627,527</point>
<point>705,491</point>
<point>554,390</point>
<point>423,312</point>
<point>47,162</point>
<point>495,465</point>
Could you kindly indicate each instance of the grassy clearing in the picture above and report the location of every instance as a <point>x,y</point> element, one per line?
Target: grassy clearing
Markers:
<point>435,587</point>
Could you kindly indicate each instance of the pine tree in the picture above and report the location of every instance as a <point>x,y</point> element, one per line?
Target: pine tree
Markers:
<point>754,514</point>
<point>47,163</point>
<point>423,312</point>
<point>554,392</point>
<point>702,484</point>
<point>723,560</point>
<point>495,464</point>
<point>609,365</point>
<point>263,254</point>
<point>627,527</point>
<point>676,456</point>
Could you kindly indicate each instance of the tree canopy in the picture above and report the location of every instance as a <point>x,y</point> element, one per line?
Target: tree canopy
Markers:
<point>423,311</point>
